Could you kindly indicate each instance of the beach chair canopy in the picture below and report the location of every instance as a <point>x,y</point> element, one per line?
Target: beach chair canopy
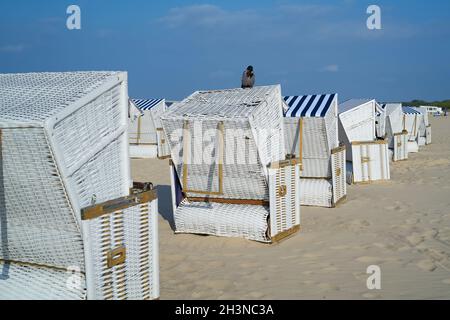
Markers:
<point>251,124</point>
<point>358,120</point>
<point>309,105</point>
<point>146,104</point>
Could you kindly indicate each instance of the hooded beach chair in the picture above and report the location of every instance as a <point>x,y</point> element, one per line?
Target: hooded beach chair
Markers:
<point>230,175</point>
<point>69,226</point>
<point>147,139</point>
<point>412,120</point>
<point>425,127</point>
<point>396,135</point>
<point>367,156</point>
<point>311,135</point>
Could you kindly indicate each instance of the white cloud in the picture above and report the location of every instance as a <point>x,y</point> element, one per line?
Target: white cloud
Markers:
<point>206,15</point>
<point>307,9</point>
<point>330,68</point>
<point>12,48</point>
<point>289,21</point>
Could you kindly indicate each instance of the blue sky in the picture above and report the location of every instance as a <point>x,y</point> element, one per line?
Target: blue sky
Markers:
<point>172,48</point>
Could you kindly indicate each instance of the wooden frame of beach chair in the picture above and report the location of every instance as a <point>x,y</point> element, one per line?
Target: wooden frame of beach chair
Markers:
<point>65,152</point>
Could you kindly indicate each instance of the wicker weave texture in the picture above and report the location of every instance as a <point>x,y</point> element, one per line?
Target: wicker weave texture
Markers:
<point>86,128</point>
<point>359,123</point>
<point>46,93</point>
<point>243,176</point>
<point>316,150</point>
<point>316,192</point>
<point>260,109</point>
<point>37,222</point>
<point>103,177</point>
<point>284,186</point>
<point>21,282</point>
<point>134,229</point>
<point>338,161</point>
<point>226,220</point>
<point>246,115</point>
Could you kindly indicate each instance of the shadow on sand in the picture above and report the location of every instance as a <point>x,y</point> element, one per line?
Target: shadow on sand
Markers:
<point>165,204</point>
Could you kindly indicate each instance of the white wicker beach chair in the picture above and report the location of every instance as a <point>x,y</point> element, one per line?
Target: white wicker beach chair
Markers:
<point>395,134</point>
<point>425,126</point>
<point>369,156</point>
<point>147,137</point>
<point>230,177</point>
<point>412,120</point>
<point>311,135</point>
<point>69,228</point>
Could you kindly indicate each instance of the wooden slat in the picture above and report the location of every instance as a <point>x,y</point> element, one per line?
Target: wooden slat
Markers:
<point>35,265</point>
<point>284,235</point>
<point>338,149</point>
<point>112,206</point>
<point>284,163</point>
<point>361,143</point>
<point>401,133</point>
<point>230,201</point>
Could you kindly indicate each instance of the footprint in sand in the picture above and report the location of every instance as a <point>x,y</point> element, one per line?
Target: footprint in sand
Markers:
<point>330,269</point>
<point>427,265</point>
<point>380,245</point>
<point>415,239</point>
<point>413,221</point>
<point>371,260</point>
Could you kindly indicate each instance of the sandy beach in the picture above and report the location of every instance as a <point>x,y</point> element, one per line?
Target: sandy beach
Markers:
<point>403,226</point>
